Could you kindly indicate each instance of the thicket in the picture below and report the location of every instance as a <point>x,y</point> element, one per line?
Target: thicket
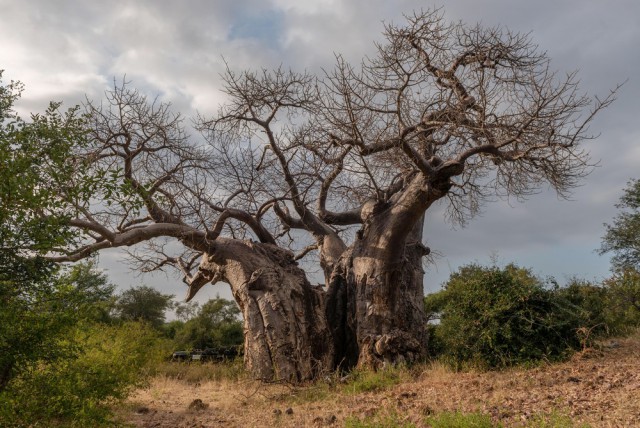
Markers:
<point>64,360</point>
<point>492,317</point>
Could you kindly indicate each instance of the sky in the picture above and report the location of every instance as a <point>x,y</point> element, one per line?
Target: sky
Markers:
<point>69,50</point>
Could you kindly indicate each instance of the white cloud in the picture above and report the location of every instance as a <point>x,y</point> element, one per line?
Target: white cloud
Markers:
<point>63,50</point>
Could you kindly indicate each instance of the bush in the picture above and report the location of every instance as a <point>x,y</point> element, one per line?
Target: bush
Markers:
<point>590,303</point>
<point>77,391</point>
<point>610,309</point>
<point>622,303</point>
<point>492,317</point>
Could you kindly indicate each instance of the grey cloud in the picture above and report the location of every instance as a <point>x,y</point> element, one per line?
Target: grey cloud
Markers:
<point>63,50</point>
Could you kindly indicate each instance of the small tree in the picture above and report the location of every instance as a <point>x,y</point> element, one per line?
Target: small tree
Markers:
<point>95,294</point>
<point>143,303</point>
<point>48,350</point>
<point>623,236</point>
<point>36,161</point>
<point>217,324</point>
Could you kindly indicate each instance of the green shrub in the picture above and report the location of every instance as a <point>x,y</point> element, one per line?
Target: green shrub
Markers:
<point>590,303</point>
<point>40,305</point>
<point>77,391</point>
<point>612,308</point>
<point>492,317</point>
<point>622,301</point>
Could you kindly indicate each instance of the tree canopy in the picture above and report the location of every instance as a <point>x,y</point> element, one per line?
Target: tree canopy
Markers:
<point>37,305</point>
<point>39,174</point>
<point>143,303</point>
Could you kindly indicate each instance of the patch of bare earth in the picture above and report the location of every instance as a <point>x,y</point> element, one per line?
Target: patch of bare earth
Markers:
<point>600,388</point>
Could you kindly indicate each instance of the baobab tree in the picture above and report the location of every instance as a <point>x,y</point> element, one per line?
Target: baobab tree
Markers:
<point>336,171</point>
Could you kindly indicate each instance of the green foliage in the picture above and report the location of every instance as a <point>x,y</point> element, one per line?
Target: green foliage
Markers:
<point>623,236</point>
<point>216,324</point>
<point>109,361</point>
<point>143,304</point>
<point>609,309</point>
<point>55,348</point>
<point>622,310</point>
<point>59,365</point>
<point>172,328</point>
<point>93,294</point>
<point>36,311</point>
<point>492,317</point>
<point>590,304</point>
<point>37,165</point>
<point>186,311</point>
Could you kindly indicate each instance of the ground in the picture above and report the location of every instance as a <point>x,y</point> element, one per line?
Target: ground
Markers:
<point>598,387</point>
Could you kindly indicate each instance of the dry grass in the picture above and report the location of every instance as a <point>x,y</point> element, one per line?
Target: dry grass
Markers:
<point>598,388</point>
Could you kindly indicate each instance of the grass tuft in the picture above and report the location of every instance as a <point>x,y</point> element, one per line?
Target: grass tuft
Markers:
<point>461,420</point>
<point>370,381</point>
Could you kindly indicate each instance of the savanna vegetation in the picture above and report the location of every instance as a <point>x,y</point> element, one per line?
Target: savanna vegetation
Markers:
<point>335,172</point>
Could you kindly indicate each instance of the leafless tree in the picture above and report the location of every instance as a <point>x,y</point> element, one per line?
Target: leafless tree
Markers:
<point>339,170</point>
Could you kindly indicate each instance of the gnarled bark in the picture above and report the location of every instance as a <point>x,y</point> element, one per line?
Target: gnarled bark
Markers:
<point>375,306</point>
<point>286,333</point>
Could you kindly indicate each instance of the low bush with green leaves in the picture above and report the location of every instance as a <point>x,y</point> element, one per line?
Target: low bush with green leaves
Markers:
<point>108,362</point>
<point>493,317</point>
<point>64,359</point>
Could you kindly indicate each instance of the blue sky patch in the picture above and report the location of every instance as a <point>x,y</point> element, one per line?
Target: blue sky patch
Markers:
<point>265,26</point>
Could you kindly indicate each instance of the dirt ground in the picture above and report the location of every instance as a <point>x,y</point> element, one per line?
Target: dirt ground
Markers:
<point>597,387</point>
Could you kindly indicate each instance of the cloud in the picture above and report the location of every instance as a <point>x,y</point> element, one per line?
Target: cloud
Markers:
<point>63,50</point>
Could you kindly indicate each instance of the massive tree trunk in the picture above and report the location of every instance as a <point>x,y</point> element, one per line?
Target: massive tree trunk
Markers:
<point>286,333</point>
<point>390,322</point>
<point>375,298</point>
<point>375,304</point>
